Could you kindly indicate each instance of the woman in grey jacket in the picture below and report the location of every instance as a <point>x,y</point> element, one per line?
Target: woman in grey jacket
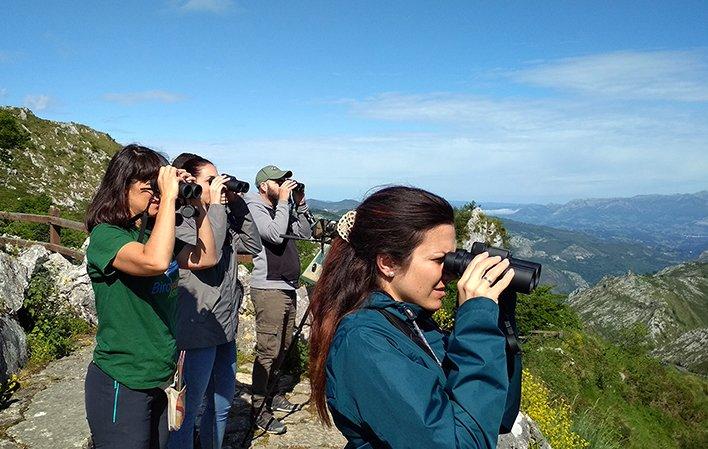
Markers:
<point>207,313</point>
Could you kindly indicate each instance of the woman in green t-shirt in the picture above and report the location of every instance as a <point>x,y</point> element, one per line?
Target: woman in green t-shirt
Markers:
<point>135,286</point>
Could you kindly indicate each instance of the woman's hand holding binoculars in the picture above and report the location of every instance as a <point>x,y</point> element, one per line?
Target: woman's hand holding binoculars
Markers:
<point>483,277</point>
<point>168,180</point>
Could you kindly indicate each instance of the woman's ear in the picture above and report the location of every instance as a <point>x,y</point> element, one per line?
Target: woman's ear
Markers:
<point>386,265</point>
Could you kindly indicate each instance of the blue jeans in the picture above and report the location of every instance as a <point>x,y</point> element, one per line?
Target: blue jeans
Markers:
<point>210,376</point>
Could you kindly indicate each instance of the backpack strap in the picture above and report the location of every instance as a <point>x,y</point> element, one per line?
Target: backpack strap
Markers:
<point>408,331</point>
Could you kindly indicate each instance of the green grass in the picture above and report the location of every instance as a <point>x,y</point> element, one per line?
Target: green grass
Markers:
<point>620,396</point>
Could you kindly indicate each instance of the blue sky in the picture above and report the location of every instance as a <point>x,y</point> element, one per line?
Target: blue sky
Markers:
<point>491,101</point>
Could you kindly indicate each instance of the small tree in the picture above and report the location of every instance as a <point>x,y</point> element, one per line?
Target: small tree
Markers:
<point>11,136</point>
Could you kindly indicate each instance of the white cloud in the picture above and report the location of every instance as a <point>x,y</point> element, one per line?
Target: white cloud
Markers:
<point>539,149</point>
<point>3,92</point>
<point>131,98</point>
<point>655,75</point>
<point>214,6</point>
<point>4,56</point>
<point>38,102</point>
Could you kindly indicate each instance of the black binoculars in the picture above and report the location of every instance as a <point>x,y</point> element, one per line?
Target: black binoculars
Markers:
<point>526,274</point>
<point>299,187</point>
<point>185,191</point>
<point>234,185</point>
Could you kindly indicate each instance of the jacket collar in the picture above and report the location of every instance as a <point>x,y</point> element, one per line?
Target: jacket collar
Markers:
<point>404,310</point>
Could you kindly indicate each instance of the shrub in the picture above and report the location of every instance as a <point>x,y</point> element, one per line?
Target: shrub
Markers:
<point>52,330</point>
<point>12,136</point>
<point>544,310</point>
<point>7,388</point>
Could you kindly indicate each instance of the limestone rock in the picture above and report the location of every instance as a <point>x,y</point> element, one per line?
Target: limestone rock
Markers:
<point>13,347</point>
<point>525,434</point>
<point>303,302</point>
<point>73,287</point>
<point>56,417</point>
<point>246,336</point>
<point>15,272</point>
<point>482,230</point>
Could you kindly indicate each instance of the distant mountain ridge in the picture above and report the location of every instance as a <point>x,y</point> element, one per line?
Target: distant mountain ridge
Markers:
<point>678,222</point>
<point>333,206</point>
<point>573,260</point>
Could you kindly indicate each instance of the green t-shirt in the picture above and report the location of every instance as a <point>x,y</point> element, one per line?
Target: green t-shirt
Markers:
<point>135,342</point>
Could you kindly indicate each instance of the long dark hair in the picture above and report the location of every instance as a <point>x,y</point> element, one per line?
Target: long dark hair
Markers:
<point>193,163</point>
<point>110,204</point>
<point>391,221</point>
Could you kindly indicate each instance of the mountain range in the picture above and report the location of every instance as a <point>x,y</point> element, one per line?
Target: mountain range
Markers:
<point>675,223</point>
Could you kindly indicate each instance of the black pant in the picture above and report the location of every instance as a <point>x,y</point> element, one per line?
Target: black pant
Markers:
<point>121,418</point>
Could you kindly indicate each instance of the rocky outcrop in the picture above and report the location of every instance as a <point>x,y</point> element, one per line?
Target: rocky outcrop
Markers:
<point>13,348</point>
<point>671,304</point>
<point>246,339</point>
<point>15,273</point>
<point>73,287</point>
<point>482,229</point>
<point>525,434</point>
<point>72,292</point>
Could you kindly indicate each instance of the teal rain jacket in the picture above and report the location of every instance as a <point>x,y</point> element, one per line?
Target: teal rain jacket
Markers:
<point>385,391</point>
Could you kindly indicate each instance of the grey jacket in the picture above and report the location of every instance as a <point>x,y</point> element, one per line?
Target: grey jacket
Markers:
<point>277,265</point>
<point>207,310</point>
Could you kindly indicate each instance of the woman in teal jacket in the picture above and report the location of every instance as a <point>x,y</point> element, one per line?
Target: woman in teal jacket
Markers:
<point>389,376</point>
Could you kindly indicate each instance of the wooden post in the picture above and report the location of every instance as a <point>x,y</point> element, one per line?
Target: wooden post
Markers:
<point>54,236</point>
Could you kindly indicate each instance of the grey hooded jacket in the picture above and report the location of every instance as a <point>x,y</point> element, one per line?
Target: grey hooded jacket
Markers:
<point>209,299</point>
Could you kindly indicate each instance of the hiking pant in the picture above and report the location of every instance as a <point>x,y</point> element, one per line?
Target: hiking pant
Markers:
<point>121,418</point>
<point>275,323</point>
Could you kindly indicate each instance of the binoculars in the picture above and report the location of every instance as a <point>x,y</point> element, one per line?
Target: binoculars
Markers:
<point>526,274</point>
<point>234,185</point>
<point>299,187</point>
<point>185,191</point>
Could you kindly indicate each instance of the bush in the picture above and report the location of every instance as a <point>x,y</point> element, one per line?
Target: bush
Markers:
<point>307,251</point>
<point>52,331</point>
<point>544,310</point>
<point>12,136</point>
<point>7,388</point>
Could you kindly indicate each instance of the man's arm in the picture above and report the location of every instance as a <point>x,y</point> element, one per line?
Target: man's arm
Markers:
<point>269,228</point>
<point>301,225</point>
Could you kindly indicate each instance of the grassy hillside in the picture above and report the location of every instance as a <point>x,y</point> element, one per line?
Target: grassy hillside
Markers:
<point>672,304</point>
<point>62,161</point>
<point>44,163</point>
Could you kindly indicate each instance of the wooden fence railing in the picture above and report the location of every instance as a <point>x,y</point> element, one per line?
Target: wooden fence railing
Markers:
<point>55,224</point>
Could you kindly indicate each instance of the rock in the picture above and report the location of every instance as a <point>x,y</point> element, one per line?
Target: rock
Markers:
<point>73,287</point>
<point>303,303</point>
<point>13,348</point>
<point>525,434</point>
<point>482,230</point>
<point>246,336</point>
<point>15,272</point>
<point>56,417</point>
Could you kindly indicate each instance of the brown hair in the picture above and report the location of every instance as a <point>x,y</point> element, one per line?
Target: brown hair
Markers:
<point>110,204</point>
<point>391,221</point>
<point>191,162</point>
